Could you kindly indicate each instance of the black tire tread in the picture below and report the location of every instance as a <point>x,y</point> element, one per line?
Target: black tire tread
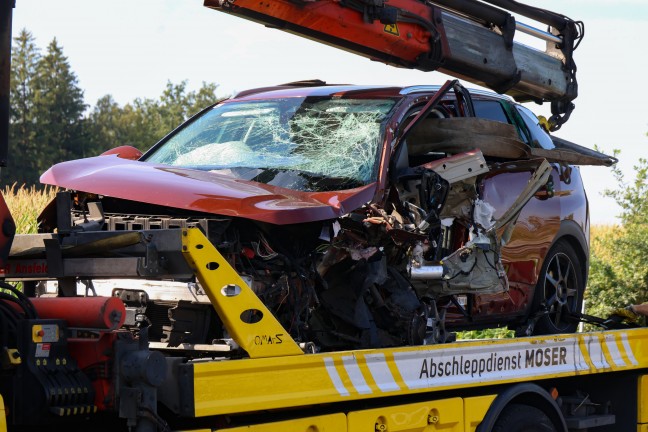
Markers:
<point>523,418</point>
<point>544,325</point>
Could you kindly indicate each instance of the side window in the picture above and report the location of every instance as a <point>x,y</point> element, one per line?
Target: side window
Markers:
<point>490,110</point>
<point>539,137</point>
<point>505,113</point>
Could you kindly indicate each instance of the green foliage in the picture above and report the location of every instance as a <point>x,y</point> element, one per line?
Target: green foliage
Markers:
<point>618,271</point>
<point>51,123</point>
<point>631,196</point>
<point>59,103</point>
<point>46,110</point>
<point>23,132</point>
<point>144,122</point>
<point>493,333</point>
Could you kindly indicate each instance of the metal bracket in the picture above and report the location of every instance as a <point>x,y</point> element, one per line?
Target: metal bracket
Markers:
<point>505,86</point>
<point>243,314</point>
<point>150,264</point>
<point>508,31</point>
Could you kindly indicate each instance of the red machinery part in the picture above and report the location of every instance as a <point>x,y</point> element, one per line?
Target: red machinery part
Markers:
<point>84,312</point>
<point>401,44</point>
<point>95,357</point>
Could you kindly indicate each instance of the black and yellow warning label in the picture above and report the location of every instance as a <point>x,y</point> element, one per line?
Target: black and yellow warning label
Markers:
<point>392,29</point>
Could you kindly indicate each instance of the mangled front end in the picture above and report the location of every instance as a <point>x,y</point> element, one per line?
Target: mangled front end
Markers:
<point>393,269</point>
<point>350,268</point>
<point>381,275</point>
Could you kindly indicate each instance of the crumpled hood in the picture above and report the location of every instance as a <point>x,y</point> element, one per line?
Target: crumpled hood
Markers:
<point>202,191</point>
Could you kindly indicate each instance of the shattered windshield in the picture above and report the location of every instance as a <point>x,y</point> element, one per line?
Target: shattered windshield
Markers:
<point>310,144</point>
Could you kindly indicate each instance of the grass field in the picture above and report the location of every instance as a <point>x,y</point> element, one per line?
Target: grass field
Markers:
<point>25,204</point>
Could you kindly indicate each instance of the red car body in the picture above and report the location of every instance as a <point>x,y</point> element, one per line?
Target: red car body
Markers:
<point>556,213</point>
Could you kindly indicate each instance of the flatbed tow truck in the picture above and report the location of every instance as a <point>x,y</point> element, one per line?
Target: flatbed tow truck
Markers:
<point>68,365</point>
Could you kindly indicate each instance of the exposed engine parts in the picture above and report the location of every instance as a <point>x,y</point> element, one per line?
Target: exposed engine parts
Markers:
<point>383,275</point>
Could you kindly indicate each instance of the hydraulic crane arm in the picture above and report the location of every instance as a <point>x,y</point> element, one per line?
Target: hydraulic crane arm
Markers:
<point>469,39</point>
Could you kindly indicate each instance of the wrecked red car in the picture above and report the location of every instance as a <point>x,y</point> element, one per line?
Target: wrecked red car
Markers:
<point>361,216</point>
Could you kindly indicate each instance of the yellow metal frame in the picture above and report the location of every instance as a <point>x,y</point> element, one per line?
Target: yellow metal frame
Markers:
<point>642,404</point>
<point>244,315</point>
<point>323,423</point>
<point>441,415</point>
<point>447,415</point>
<point>3,416</point>
<point>279,376</point>
<point>227,387</point>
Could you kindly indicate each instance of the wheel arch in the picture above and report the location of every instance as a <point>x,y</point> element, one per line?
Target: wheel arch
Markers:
<point>573,234</point>
<point>525,394</point>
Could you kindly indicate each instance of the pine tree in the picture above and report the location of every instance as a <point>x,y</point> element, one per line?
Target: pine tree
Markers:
<point>24,151</point>
<point>47,113</point>
<point>59,104</point>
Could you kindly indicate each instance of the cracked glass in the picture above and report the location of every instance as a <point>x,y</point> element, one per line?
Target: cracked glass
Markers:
<point>310,144</point>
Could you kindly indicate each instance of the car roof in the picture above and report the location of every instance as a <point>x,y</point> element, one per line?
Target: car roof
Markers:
<point>320,88</point>
<point>343,90</point>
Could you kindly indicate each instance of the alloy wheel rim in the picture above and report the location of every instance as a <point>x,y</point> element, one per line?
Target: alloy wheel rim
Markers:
<point>560,290</point>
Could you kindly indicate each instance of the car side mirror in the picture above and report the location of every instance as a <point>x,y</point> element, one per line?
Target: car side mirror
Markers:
<point>124,152</point>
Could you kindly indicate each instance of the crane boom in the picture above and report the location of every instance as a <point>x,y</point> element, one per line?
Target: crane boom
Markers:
<point>468,39</point>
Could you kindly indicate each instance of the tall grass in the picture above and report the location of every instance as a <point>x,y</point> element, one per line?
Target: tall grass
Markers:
<point>25,204</point>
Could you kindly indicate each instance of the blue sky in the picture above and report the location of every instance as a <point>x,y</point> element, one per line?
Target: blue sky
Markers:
<point>130,48</point>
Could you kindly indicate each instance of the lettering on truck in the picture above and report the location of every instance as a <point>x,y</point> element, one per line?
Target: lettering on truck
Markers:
<point>468,364</point>
<point>26,268</point>
<point>268,339</point>
<point>545,357</point>
<point>553,356</point>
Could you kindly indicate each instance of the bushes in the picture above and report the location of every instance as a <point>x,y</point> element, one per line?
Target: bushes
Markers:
<point>618,257</point>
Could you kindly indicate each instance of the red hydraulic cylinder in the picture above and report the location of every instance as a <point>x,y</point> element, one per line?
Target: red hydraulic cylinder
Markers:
<point>83,312</point>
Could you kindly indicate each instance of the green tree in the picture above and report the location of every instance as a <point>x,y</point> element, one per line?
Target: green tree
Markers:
<point>144,122</point>
<point>49,123</point>
<point>46,124</point>
<point>109,126</point>
<point>176,105</point>
<point>23,131</point>
<point>58,100</point>
<point>618,270</point>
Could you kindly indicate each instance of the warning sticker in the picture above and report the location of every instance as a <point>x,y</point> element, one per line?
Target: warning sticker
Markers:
<point>43,349</point>
<point>392,29</point>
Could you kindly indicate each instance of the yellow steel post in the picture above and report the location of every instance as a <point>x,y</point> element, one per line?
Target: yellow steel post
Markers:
<point>244,315</point>
<point>3,416</point>
<point>642,404</point>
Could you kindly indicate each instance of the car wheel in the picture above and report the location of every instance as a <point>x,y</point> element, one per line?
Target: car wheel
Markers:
<point>559,291</point>
<point>523,418</point>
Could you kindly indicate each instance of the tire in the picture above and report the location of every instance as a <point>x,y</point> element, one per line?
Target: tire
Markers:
<point>523,418</point>
<point>559,290</point>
